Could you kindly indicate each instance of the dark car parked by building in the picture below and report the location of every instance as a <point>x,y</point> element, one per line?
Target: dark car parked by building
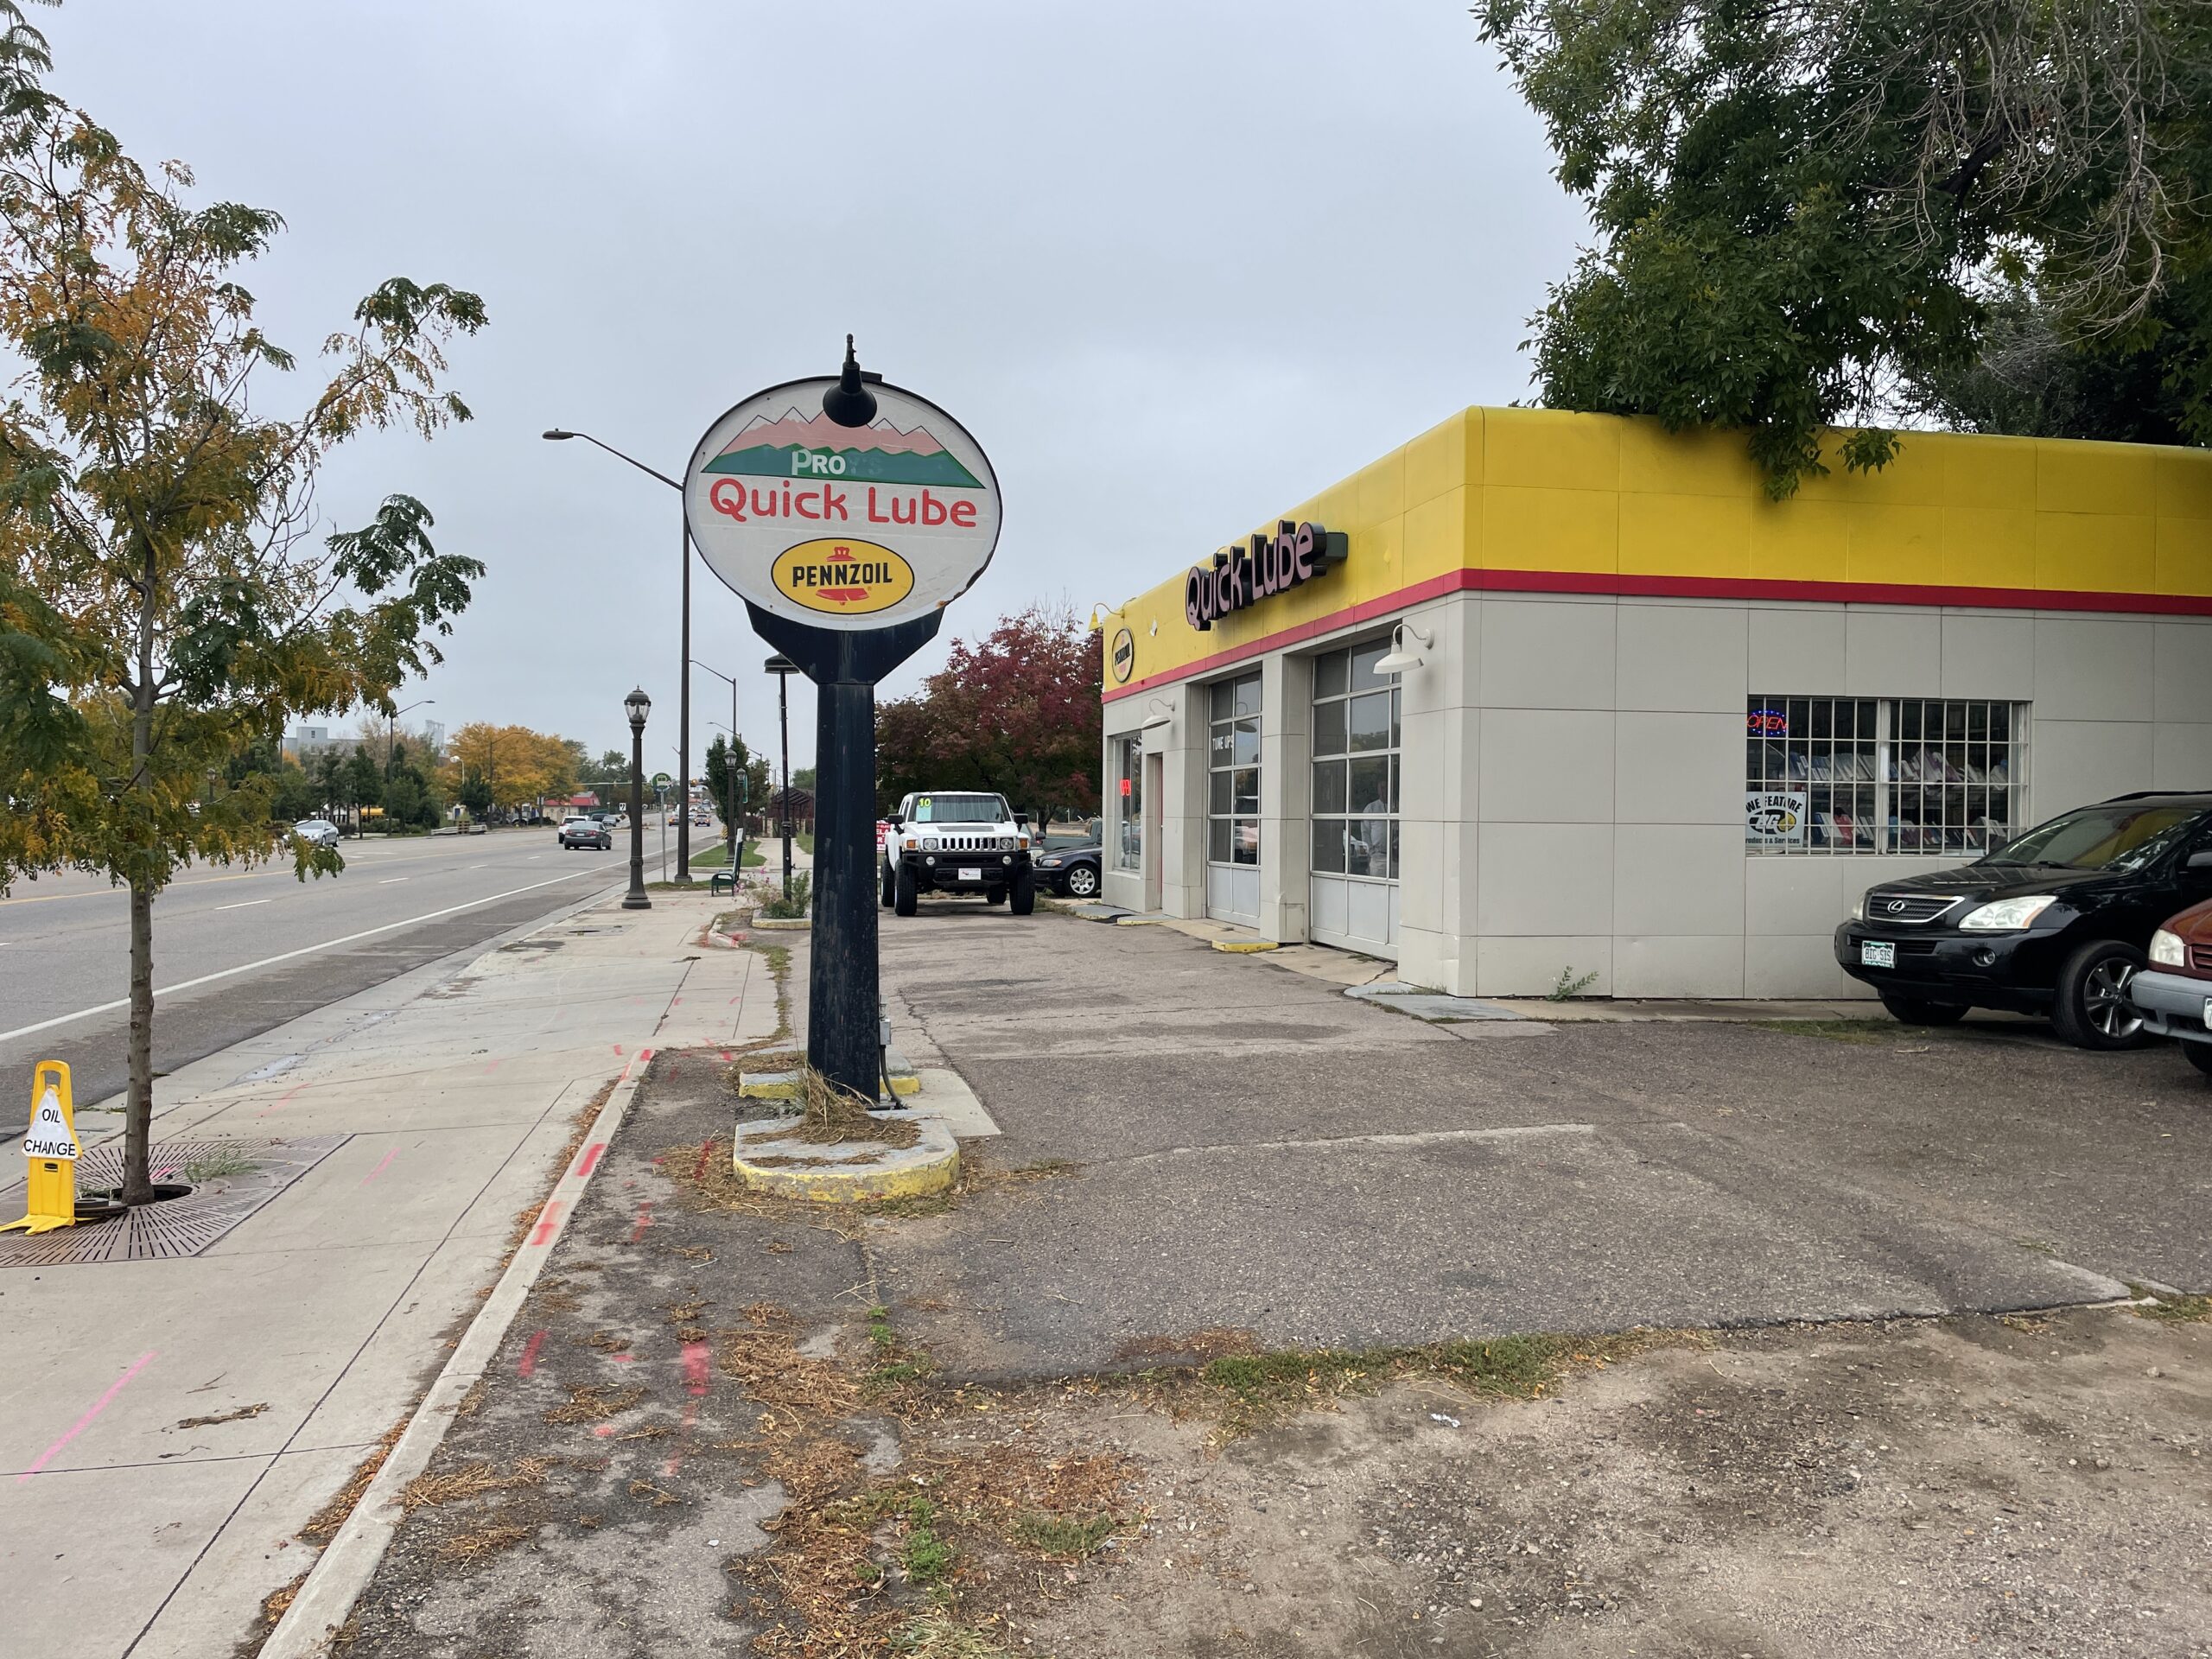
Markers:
<point>1072,872</point>
<point>2056,922</point>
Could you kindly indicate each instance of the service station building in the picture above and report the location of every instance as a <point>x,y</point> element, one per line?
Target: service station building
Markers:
<point>1546,693</point>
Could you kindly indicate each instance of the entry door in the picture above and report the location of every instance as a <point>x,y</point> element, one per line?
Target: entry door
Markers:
<point>1353,896</point>
<point>1233,802</point>
<point>1150,856</point>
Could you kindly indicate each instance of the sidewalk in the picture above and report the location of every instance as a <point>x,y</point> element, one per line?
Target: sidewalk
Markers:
<point>171,1424</point>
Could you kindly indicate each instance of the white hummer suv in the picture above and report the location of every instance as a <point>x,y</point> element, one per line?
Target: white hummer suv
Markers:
<point>957,841</point>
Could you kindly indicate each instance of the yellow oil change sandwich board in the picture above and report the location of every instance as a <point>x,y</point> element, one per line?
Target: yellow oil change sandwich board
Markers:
<point>52,1151</point>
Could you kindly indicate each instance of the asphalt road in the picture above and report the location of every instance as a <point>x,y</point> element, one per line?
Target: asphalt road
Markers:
<point>276,947</point>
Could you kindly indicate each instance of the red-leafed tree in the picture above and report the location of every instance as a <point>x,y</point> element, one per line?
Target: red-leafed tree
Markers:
<point>1017,711</point>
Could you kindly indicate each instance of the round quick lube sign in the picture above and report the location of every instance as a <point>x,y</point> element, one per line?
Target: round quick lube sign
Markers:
<point>841,526</point>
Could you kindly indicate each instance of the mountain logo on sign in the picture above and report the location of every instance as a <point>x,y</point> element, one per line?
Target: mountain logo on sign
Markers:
<point>793,445</point>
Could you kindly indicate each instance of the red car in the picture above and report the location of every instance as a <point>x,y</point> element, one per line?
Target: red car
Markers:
<point>2174,992</point>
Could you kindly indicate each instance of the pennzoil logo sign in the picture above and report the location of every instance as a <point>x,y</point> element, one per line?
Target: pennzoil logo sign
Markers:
<point>842,578</point>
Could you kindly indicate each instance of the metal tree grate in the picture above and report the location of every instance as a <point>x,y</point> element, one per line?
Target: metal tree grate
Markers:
<point>174,1227</point>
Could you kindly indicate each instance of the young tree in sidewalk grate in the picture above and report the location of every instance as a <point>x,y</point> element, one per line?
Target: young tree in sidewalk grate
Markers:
<point>164,604</point>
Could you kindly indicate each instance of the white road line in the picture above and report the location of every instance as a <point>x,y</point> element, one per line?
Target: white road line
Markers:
<point>389,879</point>
<point>287,956</point>
<point>246,903</point>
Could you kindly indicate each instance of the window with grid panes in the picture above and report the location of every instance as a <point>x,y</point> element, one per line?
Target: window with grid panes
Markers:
<point>1356,765</point>
<point>1233,769</point>
<point>1883,775</point>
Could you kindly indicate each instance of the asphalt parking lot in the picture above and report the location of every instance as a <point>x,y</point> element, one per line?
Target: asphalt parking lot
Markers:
<point>1240,1148</point>
<point>1144,1384</point>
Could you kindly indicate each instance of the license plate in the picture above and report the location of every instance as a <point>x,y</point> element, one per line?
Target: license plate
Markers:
<point>1877,953</point>
<point>970,873</point>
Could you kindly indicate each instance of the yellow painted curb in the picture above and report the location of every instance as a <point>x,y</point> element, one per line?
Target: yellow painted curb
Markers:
<point>783,1085</point>
<point>847,1174</point>
<point>1243,947</point>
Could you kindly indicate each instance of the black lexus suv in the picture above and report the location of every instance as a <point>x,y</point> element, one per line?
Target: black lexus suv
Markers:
<point>2055,922</point>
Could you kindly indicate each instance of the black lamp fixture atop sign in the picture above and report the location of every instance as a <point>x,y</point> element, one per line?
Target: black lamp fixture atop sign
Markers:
<point>849,403</point>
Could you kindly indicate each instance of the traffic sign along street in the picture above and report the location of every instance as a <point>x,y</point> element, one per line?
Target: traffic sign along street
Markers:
<point>840,526</point>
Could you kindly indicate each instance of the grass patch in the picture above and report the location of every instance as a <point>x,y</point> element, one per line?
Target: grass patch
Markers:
<point>217,1162</point>
<point>479,1541</point>
<point>940,1638</point>
<point>472,1480</point>
<point>1246,1391</point>
<point>753,858</point>
<point>1065,1538</point>
<point>593,1403</point>
<point>2173,1310</point>
<point>1841,1031</point>
<point>927,1557</point>
<point>828,1116</point>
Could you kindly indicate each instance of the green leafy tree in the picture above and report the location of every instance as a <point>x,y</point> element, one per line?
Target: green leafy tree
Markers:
<point>364,779</point>
<point>1808,212</point>
<point>1018,712</point>
<point>165,606</point>
<point>730,766</point>
<point>475,794</point>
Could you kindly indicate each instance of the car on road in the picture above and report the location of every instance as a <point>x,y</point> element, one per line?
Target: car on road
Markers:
<point>2058,921</point>
<point>587,832</point>
<point>1071,871</point>
<point>960,841</point>
<point>2174,994</point>
<point>320,832</point>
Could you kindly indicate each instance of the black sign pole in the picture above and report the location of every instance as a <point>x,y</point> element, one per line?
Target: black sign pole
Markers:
<point>843,993</point>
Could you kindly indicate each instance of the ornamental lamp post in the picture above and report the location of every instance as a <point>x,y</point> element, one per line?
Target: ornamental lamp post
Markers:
<point>638,705</point>
<point>731,836</point>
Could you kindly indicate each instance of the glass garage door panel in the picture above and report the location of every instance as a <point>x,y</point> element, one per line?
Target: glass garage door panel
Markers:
<point>1233,801</point>
<point>1352,887</point>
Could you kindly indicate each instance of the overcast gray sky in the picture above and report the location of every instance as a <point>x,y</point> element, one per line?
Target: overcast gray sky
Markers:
<point>1175,265</point>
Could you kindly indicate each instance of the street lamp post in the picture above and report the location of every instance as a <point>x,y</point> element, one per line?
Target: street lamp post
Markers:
<point>684,691</point>
<point>392,732</point>
<point>783,668</point>
<point>731,838</point>
<point>638,705</point>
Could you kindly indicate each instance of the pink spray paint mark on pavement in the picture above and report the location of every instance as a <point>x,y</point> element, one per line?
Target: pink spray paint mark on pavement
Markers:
<point>85,1422</point>
<point>528,1362</point>
<point>644,1220</point>
<point>696,1355</point>
<point>281,1100</point>
<point>381,1167</point>
<point>547,1219</point>
<point>706,1151</point>
<point>589,1161</point>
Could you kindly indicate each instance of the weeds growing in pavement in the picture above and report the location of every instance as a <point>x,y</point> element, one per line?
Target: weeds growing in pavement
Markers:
<point>1842,1030</point>
<point>1569,986</point>
<point>2171,1310</point>
<point>216,1162</point>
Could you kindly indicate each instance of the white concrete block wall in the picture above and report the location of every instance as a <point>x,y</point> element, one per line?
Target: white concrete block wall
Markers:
<point>1573,787</point>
